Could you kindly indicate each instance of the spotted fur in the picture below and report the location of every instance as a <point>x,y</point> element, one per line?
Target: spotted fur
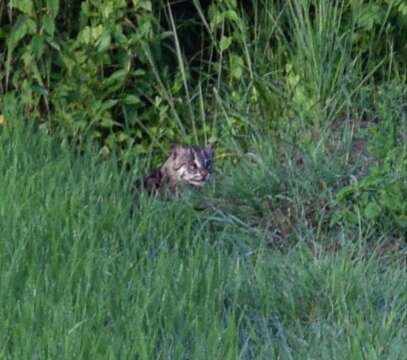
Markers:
<point>186,164</point>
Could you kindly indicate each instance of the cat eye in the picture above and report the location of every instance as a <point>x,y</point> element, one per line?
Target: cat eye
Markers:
<point>192,167</point>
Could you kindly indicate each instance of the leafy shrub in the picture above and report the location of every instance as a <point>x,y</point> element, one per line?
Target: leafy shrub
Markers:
<point>380,197</point>
<point>126,72</point>
<point>91,76</point>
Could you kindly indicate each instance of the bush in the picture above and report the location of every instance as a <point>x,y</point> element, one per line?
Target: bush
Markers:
<point>380,197</point>
<point>87,76</point>
<point>136,74</point>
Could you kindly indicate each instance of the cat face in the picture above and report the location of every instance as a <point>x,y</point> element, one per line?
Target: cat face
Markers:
<point>192,164</point>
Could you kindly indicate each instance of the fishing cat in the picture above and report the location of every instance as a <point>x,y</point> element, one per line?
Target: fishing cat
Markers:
<point>186,164</point>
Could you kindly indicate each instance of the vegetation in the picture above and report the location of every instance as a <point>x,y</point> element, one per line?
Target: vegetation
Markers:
<point>297,248</point>
<point>82,278</point>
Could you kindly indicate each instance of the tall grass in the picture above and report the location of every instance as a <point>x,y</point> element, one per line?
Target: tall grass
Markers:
<point>81,277</point>
<point>295,250</point>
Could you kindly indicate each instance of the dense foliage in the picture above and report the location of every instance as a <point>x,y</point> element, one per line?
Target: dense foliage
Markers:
<point>137,75</point>
<point>140,72</point>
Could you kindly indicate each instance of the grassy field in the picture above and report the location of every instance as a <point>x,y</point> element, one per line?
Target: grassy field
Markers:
<point>83,278</point>
<point>295,250</point>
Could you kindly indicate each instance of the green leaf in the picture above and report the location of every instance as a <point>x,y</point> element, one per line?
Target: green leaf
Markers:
<point>236,66</point>
<point>131,100</point>
<point>21,28</point>
<point>122,136</point>
<point>346,192</point>
<point>392,197</point>
<point>90,34</point>
<point>225,42</point>
<point>49,25</point>
<point>118,36</point>
<point>107,122</point>
<point>37,46</point>
<point>143,4</point>
<point>53,7</point>
<point>217,18</point>
<point>372,210</point>
<point>25,6</point>
<point>403,9</point>
<point>108,104</point>
<point>232,16</point>
<point>104,42</point>
<point>370,15</point>
<point>52,43</point>
<point>117,77</point>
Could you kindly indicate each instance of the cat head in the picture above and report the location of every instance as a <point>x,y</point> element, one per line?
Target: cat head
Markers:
<point>192,164</point>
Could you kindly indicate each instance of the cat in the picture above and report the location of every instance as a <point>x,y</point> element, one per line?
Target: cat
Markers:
<point>186,164</point>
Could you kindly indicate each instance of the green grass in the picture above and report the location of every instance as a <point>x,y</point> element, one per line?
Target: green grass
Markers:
<point>295,250</point>
<point>81,277</point>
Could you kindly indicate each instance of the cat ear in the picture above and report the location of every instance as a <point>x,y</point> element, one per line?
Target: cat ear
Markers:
<point>210,148</point>
<point>174,150</point>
